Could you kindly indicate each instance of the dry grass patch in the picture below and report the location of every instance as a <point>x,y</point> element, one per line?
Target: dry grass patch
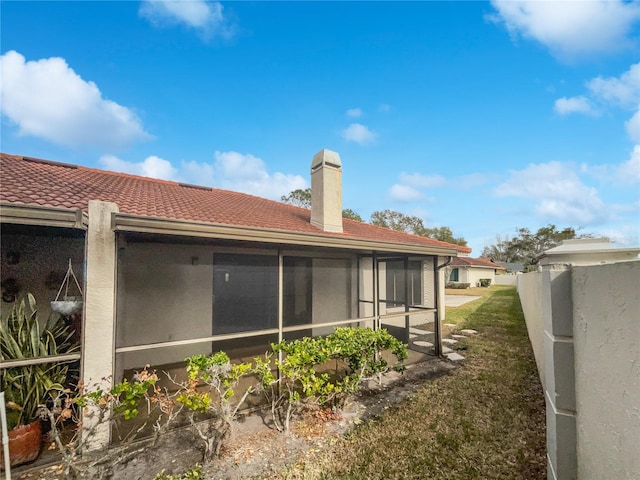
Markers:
<point>486,420</point>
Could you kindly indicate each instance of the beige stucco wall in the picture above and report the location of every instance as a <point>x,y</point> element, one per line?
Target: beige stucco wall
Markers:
<point>606,301</point>
<point>531,299</point>
<point>584,326</point>
<point>507,280</point>
<point>332,293</point>
<point>165,293</point>
<point>428,282</point>
<point>475,274</point>
<point>442,278</point>
<point>366,286</point>
<point>428,297</point>
<point>39,257</point>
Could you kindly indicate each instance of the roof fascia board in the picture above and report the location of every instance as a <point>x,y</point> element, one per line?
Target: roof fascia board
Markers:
<point>43,216</point>
<point>134,223</point>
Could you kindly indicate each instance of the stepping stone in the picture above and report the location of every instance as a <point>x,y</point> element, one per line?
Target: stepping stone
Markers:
<point>422,343</point>
<point>455,357</point>
<point>458,337</point>
<point>449,324</point>
<point>446,350</point>
<point>449,341</point>
<point>468,331</point>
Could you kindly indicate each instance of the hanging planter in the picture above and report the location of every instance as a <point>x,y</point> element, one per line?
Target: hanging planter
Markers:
<point>68,304</point>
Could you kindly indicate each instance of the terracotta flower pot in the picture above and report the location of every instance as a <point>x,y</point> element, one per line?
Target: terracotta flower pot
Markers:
<point>25,442</point>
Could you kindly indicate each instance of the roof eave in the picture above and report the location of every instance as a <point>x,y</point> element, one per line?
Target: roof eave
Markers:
<point>141,224</point>
<point>24,214</point>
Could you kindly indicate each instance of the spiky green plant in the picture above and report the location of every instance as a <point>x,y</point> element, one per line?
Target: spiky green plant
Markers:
<point>22,337</point>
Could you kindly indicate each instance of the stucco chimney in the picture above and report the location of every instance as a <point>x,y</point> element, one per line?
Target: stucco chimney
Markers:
<point>326,191</point>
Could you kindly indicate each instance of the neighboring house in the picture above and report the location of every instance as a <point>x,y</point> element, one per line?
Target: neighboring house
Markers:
<point>512,267</point>
<point>171,269</point>
<point>472,270</point>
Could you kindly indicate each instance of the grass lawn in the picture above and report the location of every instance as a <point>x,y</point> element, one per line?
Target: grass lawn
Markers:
<point>472,290</point>
<point>485,420</point>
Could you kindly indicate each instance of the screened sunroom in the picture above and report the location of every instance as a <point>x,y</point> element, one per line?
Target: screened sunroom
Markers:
<point>169,270</point>
<point>177,297</point>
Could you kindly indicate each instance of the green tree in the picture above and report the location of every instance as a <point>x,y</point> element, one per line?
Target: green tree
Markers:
<point>299,198</point>
<point>525,246</point>
<point>412,224</point>
<point>302,198</point>
<point>498,250</point>
<point>348,213</point>
<point>398,221</point>
<point>444,234</point>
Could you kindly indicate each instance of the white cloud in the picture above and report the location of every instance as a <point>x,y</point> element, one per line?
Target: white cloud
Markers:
<point>623,91</point>
<point>625,173</point>
<point>358,133</point>
<point>207,17</point>
<point>571,28</point>
<point>633,127</point>
<point>558,193</point>
<point>623,235</point>
<point>629,171</point>
<point>354,113</point>
<point>409,187</point>
<point>384,108</point>
<point>47,99</point>
<point>243,173</point>
<point>230,170</point>
<point>404,193</point>
<point>565,106</point>
<point>152,166</point>
<point>416,180</point>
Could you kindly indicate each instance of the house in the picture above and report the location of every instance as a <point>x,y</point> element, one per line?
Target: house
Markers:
<point>512,268</point>
<point>472,270</point>
<point>171,270</point>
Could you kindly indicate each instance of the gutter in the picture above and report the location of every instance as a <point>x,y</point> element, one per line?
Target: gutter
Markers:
<point>447,263</point>
<point>43,216</point>
<point>139,224</point>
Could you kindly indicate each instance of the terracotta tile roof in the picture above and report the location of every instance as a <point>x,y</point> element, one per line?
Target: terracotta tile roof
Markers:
<point>475,262</point>
<point>31,181</point>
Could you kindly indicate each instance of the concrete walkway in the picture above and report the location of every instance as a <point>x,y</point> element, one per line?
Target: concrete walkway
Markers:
<point>457,300</point>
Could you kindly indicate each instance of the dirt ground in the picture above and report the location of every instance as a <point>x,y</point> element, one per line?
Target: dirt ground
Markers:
<point>257,450</point>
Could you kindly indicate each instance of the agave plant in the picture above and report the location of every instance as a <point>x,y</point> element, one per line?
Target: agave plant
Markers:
<point>23,337</point>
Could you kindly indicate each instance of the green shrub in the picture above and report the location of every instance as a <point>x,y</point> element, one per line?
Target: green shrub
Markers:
<point>299,361</point>
<point>457,285</point>
<point>485,282</point>
<point>220,378</point>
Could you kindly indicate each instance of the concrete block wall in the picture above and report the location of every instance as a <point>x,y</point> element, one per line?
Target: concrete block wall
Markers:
<point>584,326</point>
<point>507,280</point>
<point>530,292</point>
<point>606,315</point>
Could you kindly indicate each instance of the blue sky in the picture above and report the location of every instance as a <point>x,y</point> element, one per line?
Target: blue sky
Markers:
<point>480,116</point>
